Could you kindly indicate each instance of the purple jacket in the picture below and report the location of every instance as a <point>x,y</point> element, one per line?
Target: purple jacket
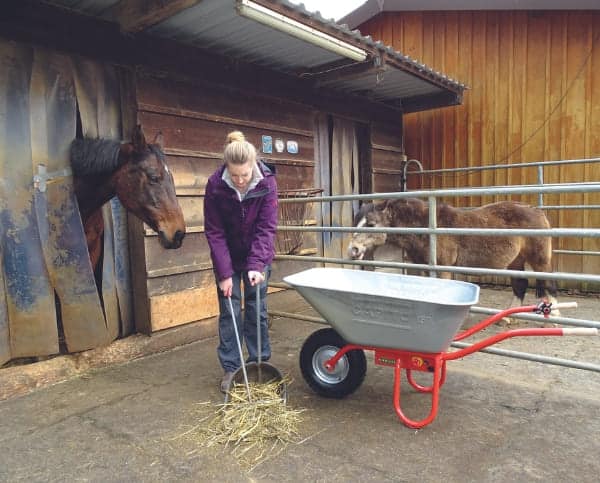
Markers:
<point>241,234</point>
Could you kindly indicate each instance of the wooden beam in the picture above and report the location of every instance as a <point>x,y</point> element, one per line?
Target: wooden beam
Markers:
<point>423,103</point>
<point>136,15</point>
<point>346,73</point>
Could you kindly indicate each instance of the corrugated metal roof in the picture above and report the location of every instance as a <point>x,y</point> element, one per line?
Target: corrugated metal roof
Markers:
<point>386,75</point>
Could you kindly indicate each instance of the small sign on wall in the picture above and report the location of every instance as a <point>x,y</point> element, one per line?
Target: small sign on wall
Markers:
<point>279,145</point>
<point>267,144</point>
<point>292,147</point>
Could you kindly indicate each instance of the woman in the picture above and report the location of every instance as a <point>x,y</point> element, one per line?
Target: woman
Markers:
<point>240,221</point>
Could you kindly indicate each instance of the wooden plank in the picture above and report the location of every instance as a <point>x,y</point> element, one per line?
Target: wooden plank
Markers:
<point>592,171</point>
<point>465,74</point>
<point>577,54</point>
<point>502,92</point>
<point>122,268</point>
<point>554,105</point>
<point>137,15</point>
<point>98,98</point>
<point>412,46</point>
<point>179,270</point>
<point>193,251</point>
<point>220,103</point>
<point>191,172</point>
<point>199,134</point>
<point>387,136</point>
<point>449,146</point>
<point>29,295</point>
<point>4,328</point>
<point>534,114</point>
<point>427,124</point>
<point>477,98</point>
<point>489,100</point>
<point>127,89</point>
<point>169,310</point>
<point>387,33</point>
<point>516,126</point>
<point>172,111</point>
<point>438,41</point>
<point>385,183</point>
<point>386,160</point>
<point>141,308</point>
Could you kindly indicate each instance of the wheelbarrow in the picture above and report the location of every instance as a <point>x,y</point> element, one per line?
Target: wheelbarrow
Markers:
<point>408,322</point>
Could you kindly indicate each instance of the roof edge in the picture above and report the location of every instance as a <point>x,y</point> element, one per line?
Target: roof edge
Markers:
<point>372,8</point>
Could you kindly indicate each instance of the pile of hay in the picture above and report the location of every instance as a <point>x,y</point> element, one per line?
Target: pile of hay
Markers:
<point>253,430</point>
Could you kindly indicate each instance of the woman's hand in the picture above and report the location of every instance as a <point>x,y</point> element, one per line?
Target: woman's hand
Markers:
<point>255,278</point>
<point>226,286</point>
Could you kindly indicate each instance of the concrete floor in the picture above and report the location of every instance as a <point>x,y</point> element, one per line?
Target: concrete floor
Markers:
<point>499,419</point>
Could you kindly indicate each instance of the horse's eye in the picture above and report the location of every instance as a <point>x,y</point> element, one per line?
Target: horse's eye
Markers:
<point>154,178</point>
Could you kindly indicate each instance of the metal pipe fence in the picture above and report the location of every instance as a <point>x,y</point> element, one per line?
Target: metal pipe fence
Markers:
<point>433,268</point>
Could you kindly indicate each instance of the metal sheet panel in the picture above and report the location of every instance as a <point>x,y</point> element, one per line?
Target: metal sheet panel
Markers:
<point>4,329</point>
<point>53,106</point>
<point>29,296</point>
<point>98,96</point>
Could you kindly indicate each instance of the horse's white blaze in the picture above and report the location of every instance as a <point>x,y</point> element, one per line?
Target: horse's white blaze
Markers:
<point>361,223</point>
<point>166,168</point>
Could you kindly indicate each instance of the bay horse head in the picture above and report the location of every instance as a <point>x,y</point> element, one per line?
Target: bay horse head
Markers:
<point>144,185</point>
<point>138,175</point>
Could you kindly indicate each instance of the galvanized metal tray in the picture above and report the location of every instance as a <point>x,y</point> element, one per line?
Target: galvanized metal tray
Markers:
<point>388,310</point>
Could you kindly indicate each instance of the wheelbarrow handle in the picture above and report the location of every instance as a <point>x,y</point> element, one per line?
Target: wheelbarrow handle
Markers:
<point>564,305</point>
<point>580,331</point>
<point>545,307</point>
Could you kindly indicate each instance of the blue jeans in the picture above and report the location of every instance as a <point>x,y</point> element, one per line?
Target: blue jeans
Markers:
<point>228,351</point>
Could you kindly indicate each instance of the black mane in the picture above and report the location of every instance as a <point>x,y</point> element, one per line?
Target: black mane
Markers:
<point>94,156</point>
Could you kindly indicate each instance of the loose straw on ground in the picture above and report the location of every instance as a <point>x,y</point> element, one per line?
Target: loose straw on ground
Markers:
<point>254,430</point>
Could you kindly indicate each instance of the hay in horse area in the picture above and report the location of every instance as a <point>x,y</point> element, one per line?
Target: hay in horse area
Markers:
<point>251,430</point>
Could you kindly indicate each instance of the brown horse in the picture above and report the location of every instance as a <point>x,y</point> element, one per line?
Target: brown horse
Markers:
<point>497,252</point>
<point>138,175</point>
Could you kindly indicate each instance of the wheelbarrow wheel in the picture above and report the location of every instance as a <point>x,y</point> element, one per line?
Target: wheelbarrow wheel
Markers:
<point>347,375</point>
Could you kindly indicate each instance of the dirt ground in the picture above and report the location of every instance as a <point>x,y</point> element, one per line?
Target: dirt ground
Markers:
<point>500,419</point>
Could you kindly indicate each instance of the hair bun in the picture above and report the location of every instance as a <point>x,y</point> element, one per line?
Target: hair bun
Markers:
<point>235,136</point>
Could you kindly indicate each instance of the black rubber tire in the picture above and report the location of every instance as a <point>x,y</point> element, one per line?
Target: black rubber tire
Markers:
<point>348,374</point>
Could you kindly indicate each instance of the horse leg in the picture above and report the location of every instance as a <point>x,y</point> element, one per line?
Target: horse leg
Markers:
<point>541,261</point>
<point>519,286</point>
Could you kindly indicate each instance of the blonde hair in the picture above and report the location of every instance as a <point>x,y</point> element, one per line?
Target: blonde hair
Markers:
<point>237,149</point>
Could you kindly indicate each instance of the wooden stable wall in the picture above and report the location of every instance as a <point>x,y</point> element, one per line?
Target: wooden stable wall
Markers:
<point>534,95</point>
<point>387,154</point>
<point>195,120</point>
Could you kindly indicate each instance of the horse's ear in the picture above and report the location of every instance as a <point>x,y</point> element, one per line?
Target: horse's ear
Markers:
<point>138,139</point>
<point>381,205</point>
<point>159,140</point>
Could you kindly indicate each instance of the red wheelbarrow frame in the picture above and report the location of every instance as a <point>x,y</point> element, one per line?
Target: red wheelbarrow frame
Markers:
<point>436,362</point>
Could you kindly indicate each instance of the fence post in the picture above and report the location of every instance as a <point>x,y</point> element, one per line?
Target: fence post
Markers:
<point>432,237</point>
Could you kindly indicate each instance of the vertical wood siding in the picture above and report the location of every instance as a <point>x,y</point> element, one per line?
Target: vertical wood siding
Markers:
<point>534,80</point>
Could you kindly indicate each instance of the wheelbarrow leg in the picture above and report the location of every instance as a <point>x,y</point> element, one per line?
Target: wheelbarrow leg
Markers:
<point>421,388</point>
<point>439,368</point>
